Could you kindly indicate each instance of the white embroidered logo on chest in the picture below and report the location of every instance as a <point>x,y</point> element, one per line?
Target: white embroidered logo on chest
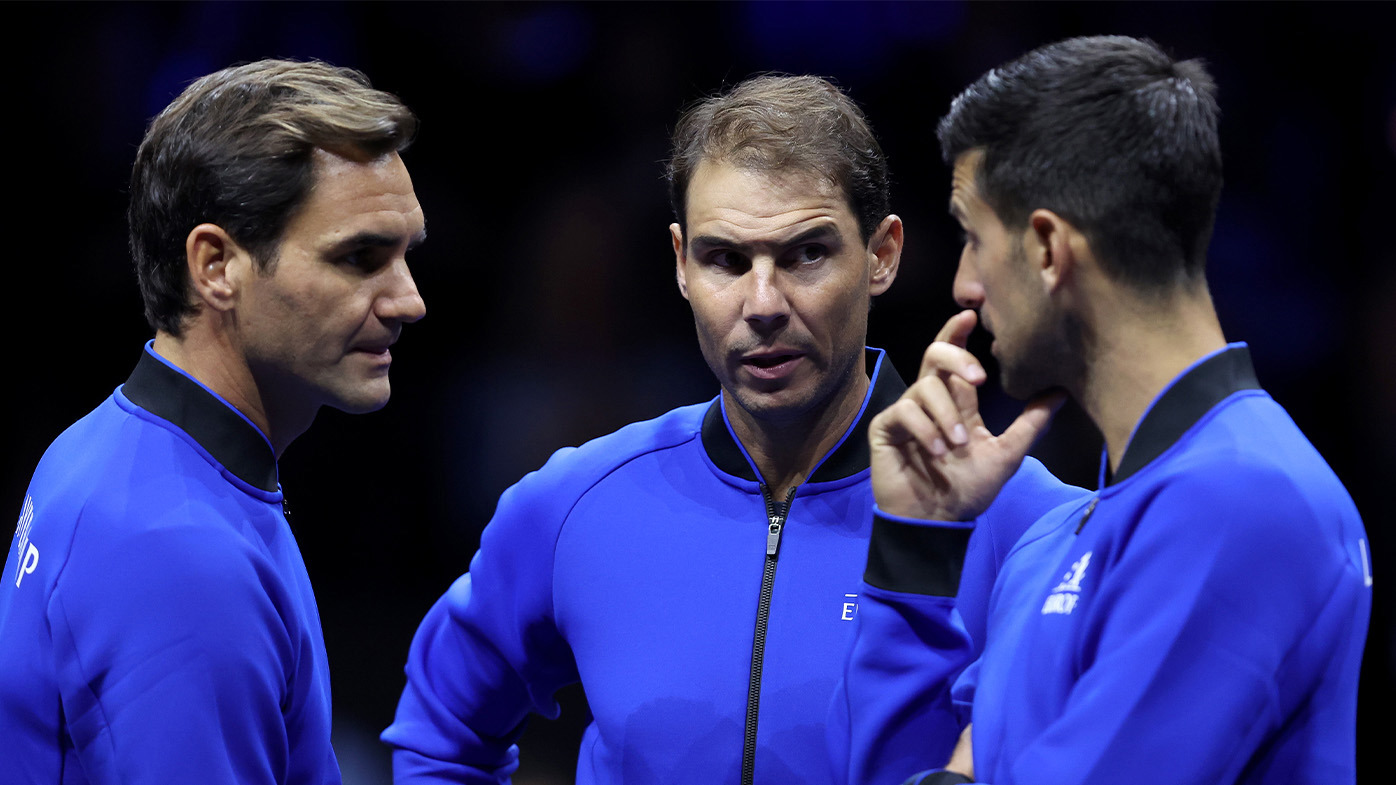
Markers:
<point>850,607</point>
<point>1064,597</point>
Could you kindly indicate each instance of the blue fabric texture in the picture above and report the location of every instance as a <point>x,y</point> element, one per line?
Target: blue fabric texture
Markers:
<point>1200,619</point>
<point>892,713</point>
<point>156,621</point>
<point>633,564</point>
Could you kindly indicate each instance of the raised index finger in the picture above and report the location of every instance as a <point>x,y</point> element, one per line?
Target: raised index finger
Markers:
<point>958,327</point>
<point>944,360</point>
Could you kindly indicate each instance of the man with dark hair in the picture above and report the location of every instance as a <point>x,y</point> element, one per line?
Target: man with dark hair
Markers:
<point>1201,617</point>
<point>696,572</point>
<point>156,621</point>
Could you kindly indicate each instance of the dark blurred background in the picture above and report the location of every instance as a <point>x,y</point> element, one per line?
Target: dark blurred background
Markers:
<point>552,313</point>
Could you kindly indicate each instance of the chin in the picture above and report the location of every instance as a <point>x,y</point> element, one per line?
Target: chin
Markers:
<point>361,401</point>
<point>777,406</point>
<point>1043,372</point>
<point>1011,381</point>
<point>1020,392</point>
<point>363,408</point>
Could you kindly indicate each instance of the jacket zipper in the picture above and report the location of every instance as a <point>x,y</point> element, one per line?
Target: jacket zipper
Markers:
<point>1087,516</point>
<point>775,516</point>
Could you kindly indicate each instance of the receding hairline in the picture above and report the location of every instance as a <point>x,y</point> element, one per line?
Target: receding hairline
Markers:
<point>792,174</point>
<point>779,123</point>
<point>793,171</point>
<point>974,157</point>
<point>325,161</point>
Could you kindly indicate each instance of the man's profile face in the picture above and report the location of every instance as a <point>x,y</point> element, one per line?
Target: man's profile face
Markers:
<point>316,329</point>
<point>779,279</point>
<point>995,278</point>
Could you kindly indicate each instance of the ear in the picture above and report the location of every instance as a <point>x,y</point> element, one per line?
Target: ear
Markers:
<point>680,259</point>
<point>217,266</point>
<point>885,254</point>
<point>1050,248</point>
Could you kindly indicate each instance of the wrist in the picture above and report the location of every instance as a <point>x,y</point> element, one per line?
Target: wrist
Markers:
<point>915,509</point>
<point>921,517</point>
<point>913,556</point>
<point>938,777</point>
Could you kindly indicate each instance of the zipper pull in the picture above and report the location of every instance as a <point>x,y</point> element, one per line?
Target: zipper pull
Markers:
<point>773,534</point>
<point>1087,516</point>
<point>776,515</point>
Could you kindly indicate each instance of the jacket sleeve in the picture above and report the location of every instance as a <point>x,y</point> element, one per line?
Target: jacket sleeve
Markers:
<point>1205,638</point>
<point>488,652</point>
<point>892,713</point>
<point>172,660</point>
<point>1028,495</point>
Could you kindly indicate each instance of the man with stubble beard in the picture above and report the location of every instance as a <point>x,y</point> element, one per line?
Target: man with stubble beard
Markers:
<point>1201,617</point>
<point>698,572</point>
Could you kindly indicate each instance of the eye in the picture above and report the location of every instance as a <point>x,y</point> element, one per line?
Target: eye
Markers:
<point>363,259</point>
<point>726,259</point>
<point>811,254</point>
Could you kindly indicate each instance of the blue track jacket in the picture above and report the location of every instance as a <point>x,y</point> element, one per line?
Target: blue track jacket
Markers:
<point>636,564</point>
<point>1199,620</point>
<point>156,622</point>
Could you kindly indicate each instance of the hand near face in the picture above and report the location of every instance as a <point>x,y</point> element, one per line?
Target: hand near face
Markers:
<point>932,456</point>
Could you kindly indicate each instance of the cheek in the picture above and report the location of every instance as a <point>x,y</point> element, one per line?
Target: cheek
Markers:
<point>714,314</point>
<point>328,322</point>
<point>274,314</point>
<point>843,310</point>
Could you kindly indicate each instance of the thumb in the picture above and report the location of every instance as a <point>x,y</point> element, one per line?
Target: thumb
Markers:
<point>1032,423</point>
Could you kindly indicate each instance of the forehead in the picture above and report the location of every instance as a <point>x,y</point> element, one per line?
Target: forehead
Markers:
<point>965,201</point>
<point>352,195</point>
<point>742,200</point>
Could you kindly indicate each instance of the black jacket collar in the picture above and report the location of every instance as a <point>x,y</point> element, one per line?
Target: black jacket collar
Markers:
<point>231,440</point>
<point>1182,404</point>
<point>851,456</point>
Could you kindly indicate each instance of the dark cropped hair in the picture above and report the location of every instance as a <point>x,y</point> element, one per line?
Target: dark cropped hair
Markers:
<point>777,122</point>
<point>1113,135</point>
<point>234,149</point>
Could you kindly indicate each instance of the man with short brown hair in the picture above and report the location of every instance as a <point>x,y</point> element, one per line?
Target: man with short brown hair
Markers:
<point>157,624</point>
<point>696,572</point>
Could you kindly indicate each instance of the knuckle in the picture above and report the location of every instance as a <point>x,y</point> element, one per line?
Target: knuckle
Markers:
<point>933,359</point>
<point>904,406</point>
<point>926,385</point>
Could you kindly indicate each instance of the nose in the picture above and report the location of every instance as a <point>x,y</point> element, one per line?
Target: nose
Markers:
<point>765,307</point>
<point>400,300</point>
<point>968,290</point>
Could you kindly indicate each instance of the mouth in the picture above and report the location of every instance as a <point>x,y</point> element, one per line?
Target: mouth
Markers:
<point>772,365</point>
<point>769,360</point>
<point>376,351</point>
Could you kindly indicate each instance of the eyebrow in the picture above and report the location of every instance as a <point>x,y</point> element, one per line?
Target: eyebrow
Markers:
<point>827,232</point>
<point>376,240</point>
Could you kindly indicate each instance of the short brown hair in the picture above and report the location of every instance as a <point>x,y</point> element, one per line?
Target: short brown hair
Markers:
<point>234,149</point>
<point>775,122</point>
